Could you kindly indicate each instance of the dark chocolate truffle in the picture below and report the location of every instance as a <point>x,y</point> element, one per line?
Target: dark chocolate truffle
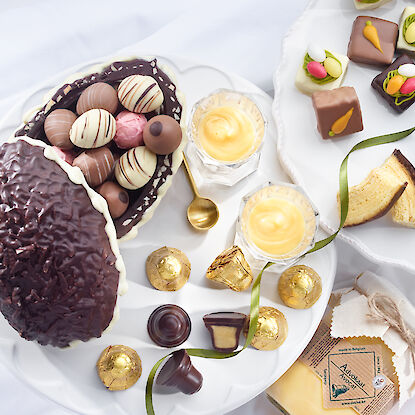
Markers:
<point>178,372</point>
<point>169,325</point>
<point>57,126</point>
<point>116,197</point>
<point>58,278</point>
<point>162,134</point>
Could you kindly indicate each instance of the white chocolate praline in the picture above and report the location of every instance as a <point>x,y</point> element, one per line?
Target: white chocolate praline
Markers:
<point>93,129</point>
<point>76,176</point>
<point>369,6</point>
<point>402,45</point>
<point>140,93</point>
<point>135,167</point>
<point>307,86</point>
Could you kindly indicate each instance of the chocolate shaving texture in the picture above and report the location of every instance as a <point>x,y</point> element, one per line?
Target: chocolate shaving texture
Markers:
<point>66,97</point>
<point>58,280</point>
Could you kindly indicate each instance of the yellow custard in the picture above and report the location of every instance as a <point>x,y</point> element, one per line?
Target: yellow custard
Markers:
<point>276,226</point>
<point>227,133</point>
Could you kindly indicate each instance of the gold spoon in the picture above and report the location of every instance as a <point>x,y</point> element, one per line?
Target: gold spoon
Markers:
<point>202,213</point>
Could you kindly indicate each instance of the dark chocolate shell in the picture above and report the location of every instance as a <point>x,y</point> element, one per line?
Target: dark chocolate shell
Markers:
<point>60,267</point>
<point>142,201</point>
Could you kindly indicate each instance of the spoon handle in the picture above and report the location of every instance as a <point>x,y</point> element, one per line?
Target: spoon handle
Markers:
<point>190,176</point>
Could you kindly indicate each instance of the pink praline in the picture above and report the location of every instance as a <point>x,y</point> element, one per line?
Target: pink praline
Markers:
<point>66,155</point>
<point>130,126</point>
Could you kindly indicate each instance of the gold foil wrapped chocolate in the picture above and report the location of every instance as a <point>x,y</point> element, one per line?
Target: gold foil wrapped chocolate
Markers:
<point>119,367</point>
<point>272,329</point>
<point>232,269</point>
<point>168,269</point>
<point>299,287</point>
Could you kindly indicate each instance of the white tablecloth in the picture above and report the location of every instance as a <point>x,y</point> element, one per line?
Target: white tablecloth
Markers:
<point>40,38</point>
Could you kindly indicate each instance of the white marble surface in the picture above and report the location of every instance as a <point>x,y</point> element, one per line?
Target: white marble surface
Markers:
<point>41,38</point>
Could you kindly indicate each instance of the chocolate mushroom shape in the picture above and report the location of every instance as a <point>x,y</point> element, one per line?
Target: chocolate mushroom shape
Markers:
<point>61,269</point>
<point>179,372</point>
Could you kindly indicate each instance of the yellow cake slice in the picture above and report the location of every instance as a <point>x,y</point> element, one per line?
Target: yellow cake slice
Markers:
<point>403,211</point>
<point>374,196</point>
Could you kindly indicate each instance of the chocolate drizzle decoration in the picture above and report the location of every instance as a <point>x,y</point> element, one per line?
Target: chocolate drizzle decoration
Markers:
<point>58,280</point>
<point>66,97</point>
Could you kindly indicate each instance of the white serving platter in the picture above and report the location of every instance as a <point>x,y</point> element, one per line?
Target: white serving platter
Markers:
<point>313,162</point>
<point>69,378</point>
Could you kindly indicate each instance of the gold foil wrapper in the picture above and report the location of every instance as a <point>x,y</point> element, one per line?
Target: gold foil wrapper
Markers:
<point>232,269</point>
<point>299,287</point>
<point>272,329</point>
<point>168,269</point>
<point>119,367</point>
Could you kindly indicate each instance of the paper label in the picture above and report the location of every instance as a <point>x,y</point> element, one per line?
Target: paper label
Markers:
<point>352,375</point>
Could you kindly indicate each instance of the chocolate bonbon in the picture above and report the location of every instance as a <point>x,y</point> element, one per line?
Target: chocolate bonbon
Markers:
<point>139,93</point>
<point>60,276</point>
<point>179,373</point>
<point>323,72</point>
<point>272,329</point>
<point>96,165</point>
<point>66,155</point>
<point>135,167</point>
<point>169,325</point>
<point>372,41</point>
<point>168,269</point>
<point>232,269</point>
<point>394,96</point>
<point>99,96</point>
<point>117,198</point>
<point>93,129</point>
<point>225,329</point>
<point>162,134</point>
<point>141,203</point>
<point>406,38</point>
<point>130,128</point>
<point>299,287</point>
<point>369,4</point>
<point>338,112</point>
<point>57,126</point>
<point>119,367</point>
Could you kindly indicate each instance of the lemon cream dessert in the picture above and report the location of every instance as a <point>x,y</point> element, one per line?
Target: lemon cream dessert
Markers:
<point>278,222</point>
<point>227,127</point>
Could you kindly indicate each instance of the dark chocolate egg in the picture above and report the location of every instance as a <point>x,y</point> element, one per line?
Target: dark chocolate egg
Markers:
<point>162,134</point>
<point>57,126</point>
<point>116,197</point>
<point>96,165</point>
<point>99,96</point>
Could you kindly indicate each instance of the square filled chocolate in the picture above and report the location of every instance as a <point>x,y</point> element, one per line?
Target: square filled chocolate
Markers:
<point>369,4</point>
<point>373,41</point>
<point>399,102</point>
<point>338,112</point>
<point>406,39</point>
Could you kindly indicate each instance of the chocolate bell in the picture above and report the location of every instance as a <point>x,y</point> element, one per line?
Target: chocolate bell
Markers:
<point>179,372</point>
<point>169,325</point>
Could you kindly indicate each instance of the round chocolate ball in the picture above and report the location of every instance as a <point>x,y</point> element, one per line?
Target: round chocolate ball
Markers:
<point>57,126</point>
<point>98,96</point>
<point>169,325</point>
<point>162,134</point>
<point>116,197</point>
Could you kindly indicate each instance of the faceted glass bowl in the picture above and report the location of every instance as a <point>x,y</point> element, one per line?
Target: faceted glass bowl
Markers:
<point>225,172</point>
<point>289,192</point>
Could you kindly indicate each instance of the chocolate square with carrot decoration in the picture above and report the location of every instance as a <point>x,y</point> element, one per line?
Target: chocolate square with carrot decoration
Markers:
<point>373,41</point>
<point>396,84</point>
<point>338,112</point>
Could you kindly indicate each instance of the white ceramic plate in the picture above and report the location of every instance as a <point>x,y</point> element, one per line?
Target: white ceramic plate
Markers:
<point>313,162</point>
<point>69,377</point>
